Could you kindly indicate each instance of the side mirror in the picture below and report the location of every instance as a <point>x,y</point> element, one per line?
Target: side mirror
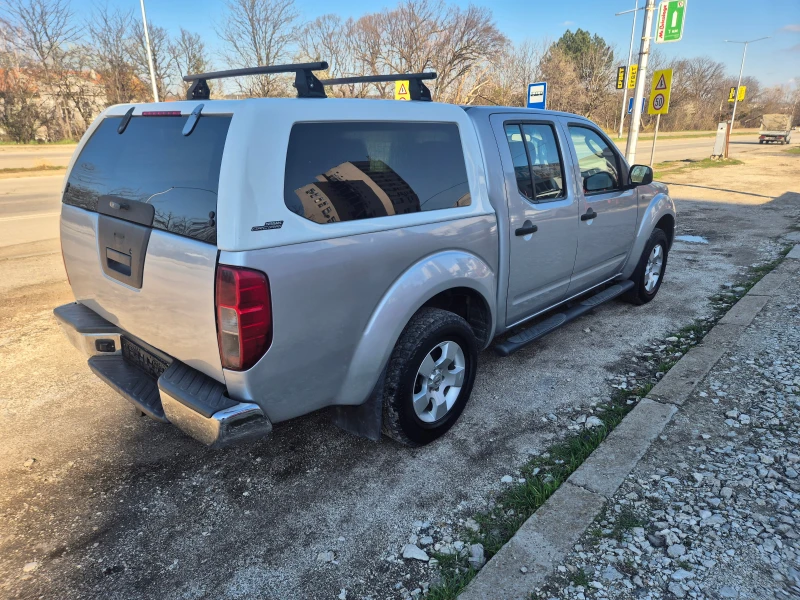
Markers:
<point>640,175</point>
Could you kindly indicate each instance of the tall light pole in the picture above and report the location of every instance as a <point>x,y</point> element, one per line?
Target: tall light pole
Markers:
<point>628,70</point>
<point>149,53</point>
<point>738,85</point>
<point>641,76</point>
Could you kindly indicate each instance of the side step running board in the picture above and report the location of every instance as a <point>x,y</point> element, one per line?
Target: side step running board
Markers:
<point>542,328</point>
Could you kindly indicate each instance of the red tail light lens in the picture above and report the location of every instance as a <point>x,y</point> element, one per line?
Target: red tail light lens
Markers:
<point>244,316</point>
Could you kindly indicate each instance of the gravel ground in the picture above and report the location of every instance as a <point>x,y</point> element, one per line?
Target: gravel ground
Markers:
<point>713,509</point>
<point>118,507</point>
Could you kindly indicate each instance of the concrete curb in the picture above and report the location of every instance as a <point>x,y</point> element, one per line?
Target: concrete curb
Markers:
<point>542,542</point>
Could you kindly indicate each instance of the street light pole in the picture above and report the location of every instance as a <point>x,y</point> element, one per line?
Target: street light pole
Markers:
<point>738,85</point>
<point>628,70</point>
<point>641,76</point>
<point>149,53</point>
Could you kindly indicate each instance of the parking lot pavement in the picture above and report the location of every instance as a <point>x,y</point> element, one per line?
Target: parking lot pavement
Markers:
<point>96,502</point>
<point>713,508</point>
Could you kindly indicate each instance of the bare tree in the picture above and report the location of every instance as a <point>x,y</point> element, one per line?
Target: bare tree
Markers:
<point>162,61</point>
<point>43,30</point>
<point>459,44</point>
<point>188,52</point>
<point>112,45</point>
<point>259,32</point>
<point>515,69</point>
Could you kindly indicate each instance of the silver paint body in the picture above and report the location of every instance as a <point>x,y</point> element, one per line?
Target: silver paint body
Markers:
<point>342,293</point>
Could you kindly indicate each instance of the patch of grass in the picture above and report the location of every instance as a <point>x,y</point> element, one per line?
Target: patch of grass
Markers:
<point>625,521</point>
<point>795,150</point>
<point>677,167</point>
<point>32,169</point>
<point>685,565</point>
<point>544,474</point>
<point>579,578</point>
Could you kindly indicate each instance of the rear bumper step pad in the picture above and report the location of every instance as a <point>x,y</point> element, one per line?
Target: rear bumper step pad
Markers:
<point>542,328</point>
<point>183,396</point>
<point>131,383</point>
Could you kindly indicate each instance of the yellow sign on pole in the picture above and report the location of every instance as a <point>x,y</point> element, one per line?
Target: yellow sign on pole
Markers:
<point>632,77</point>
<point>659,92</point>
<point>742,92</point>
<point>401,90</point>
<point>621,78</point>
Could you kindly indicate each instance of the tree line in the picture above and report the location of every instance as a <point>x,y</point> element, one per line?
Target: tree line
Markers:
<point>59,69</point>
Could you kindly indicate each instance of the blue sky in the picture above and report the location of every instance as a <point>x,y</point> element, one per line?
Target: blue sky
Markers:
<point>708,24</point>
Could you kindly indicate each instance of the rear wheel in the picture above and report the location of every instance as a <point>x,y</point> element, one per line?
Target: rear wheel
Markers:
<point>429,377</point>
<point>649,272</point>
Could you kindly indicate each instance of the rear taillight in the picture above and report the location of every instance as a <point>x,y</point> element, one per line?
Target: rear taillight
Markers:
<point>244,316</point>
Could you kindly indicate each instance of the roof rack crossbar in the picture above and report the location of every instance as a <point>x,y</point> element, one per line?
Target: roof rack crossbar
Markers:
<point>417,90</point>
<point>308,86</point>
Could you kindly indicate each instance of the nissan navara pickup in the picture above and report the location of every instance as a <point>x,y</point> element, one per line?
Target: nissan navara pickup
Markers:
<point>238,263</point>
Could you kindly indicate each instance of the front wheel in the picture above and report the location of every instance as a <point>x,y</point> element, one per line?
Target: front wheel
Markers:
<point>649,272</point>
<point>429,377</point>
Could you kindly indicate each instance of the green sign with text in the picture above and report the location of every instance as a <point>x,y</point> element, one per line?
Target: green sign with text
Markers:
<point>671,16</point>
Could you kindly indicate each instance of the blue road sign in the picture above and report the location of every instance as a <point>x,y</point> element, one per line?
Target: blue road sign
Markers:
<point>537,95</point>
<point>630,105</point>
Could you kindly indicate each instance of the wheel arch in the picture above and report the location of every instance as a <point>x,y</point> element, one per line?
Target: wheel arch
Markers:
<point>659,211</point>
<point>456,279</point>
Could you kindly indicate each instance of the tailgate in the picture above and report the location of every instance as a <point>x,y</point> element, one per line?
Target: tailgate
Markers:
<point>138,230</point>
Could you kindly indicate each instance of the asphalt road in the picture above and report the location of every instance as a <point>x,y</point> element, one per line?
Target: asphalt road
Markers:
<point>99,503</point>
<point>29,209</point>
<point>13,157</point>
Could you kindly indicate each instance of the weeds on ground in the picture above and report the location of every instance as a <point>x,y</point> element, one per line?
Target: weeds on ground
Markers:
<point>32,169</point>
<point>38,143</point>
<point>544,474</point>
<point>795,150</point>
<point>678,167</point>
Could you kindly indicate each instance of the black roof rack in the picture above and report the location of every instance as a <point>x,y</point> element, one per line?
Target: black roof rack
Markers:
<point>308,86</point>
<point>417,90</point>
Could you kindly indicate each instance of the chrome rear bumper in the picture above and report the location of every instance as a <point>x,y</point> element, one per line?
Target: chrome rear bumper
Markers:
<point>190,400</point>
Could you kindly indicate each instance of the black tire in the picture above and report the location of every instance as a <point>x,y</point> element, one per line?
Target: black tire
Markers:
<point>426,330</point>
<point>639,294</point>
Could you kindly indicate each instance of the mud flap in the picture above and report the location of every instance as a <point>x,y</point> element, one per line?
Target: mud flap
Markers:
<point>363,420</point>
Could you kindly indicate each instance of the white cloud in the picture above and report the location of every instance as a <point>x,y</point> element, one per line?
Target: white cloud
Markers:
<point>795,27</point>
<point>568,23</point>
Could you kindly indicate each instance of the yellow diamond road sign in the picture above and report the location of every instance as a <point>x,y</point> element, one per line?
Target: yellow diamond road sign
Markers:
<point>401,90</point>
<point>659,92</point>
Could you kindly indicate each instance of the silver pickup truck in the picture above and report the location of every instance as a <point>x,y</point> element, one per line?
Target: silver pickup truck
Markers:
<point>238,263</point>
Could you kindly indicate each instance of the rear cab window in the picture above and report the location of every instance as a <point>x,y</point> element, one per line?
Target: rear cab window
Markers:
<point>537,162</point>
<point>153,162</point>
<point>347,171</point>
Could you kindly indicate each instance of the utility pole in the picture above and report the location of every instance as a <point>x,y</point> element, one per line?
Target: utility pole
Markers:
<point>149,53</point>
<point>641,76</point>
<point>628,68</point>
<point>738,85</point>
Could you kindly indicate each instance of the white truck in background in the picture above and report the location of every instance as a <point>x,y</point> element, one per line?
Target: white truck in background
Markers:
<point>775,128</point>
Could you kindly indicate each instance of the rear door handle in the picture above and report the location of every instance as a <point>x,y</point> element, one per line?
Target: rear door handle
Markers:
<point>588,215</point>
<point>527,230</point>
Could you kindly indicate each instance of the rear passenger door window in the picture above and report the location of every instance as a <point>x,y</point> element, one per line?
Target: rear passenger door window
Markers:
<point>599,164</point>
<point>347,171</point>
<point>537,161</point>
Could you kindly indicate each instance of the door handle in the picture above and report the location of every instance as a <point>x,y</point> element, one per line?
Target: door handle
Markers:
<point>527,230</point>
<point>588,215</point>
